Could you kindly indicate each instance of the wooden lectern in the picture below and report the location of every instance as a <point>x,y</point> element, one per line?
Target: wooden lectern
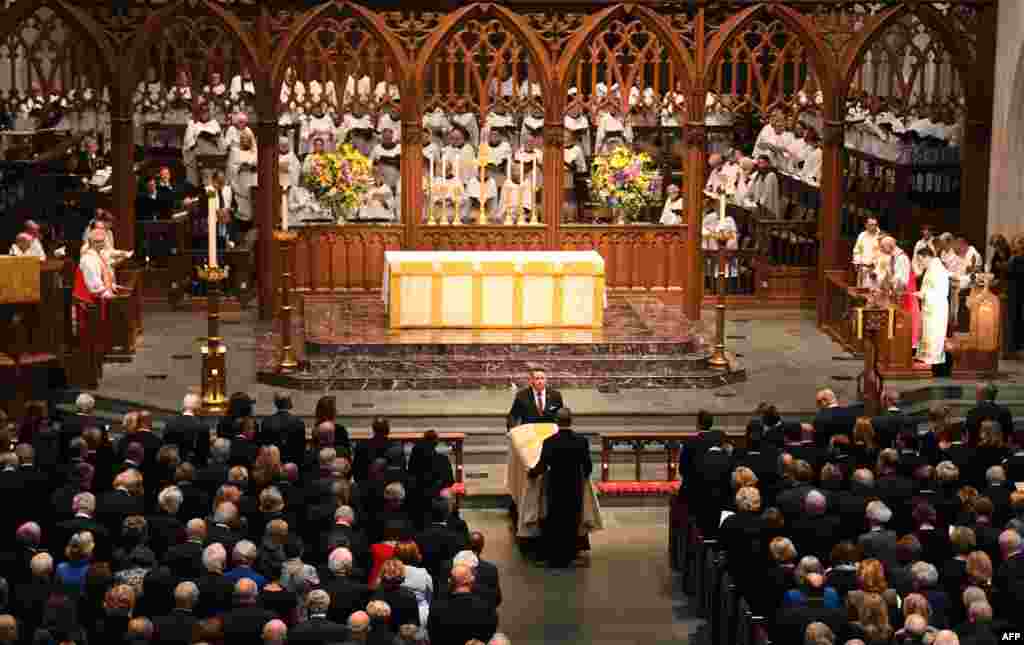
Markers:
<point>874,323</point>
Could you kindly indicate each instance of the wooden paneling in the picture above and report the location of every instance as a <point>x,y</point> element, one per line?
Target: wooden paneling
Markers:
<point>481,238</point>
<point>635,257</point>
<point>330,258</point>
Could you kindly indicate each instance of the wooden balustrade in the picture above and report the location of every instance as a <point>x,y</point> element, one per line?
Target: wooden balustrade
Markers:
<point>647,443</point>
<point>839,301</point>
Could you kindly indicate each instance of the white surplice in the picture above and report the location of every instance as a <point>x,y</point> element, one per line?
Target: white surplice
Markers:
<point>934,313</point>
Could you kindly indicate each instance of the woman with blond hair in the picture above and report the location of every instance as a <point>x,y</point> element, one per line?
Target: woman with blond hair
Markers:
<point>404,606</point>
<point>869,615</point>
<point>417,579</point>
<point>71,573</point>
<point>865,444</point>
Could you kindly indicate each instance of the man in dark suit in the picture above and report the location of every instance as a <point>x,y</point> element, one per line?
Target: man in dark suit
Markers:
<point>565,464</point>
<point>438,542</point>
<point>831,419</point>
<point>186,560</point>
<point>536,403</point>
<point>462,615</point>
<point>284,430</point>
<point>244,624</point>
<point>348,595</point>
<point>815,530</point>
<point>486,573</point>
<point>83,505</point>
<point>72,426</point>
<point>1008,583</point>
<point>126,499</point>
<point>189,433</point>
<point>369,451</point>
<point>318,628</point>
<point>711,471</point>
<point>891,421</point>
<point>986,409</point>
<point>176,627</point>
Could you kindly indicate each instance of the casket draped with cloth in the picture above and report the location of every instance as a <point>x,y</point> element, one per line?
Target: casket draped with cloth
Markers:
<point>528,494</point>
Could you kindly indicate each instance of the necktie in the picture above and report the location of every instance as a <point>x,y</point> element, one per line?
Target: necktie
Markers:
<point>540,403</point>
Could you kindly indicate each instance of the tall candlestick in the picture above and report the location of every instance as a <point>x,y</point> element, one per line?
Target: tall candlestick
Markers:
<point>284,209</point>
<point>509,164</point>
<point>533,171</point>
<point>211,224</point>
<point>431,169</point>
<point>721,209</point>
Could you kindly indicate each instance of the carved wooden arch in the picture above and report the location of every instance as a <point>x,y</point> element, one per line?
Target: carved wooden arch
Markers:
<point>157,20</point>
<point>517,24</point>
<point>574,48</point>
<point>821,60</point>
<point>306,24</point>
<point>75,18</point>
<point>857,48</point>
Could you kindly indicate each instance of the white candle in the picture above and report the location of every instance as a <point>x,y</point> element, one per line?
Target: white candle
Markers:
<point>457,161</point>
<point>509,171</point>
<point>431,169</point>
<point>211,203</point>
<point>284,210</point>
<point>533,170</point>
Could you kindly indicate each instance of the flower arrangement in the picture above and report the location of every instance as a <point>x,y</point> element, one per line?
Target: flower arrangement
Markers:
<point>340,179</point>
<point>624,179</point>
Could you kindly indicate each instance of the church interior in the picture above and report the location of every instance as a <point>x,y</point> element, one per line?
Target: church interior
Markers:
<point>675,210</point>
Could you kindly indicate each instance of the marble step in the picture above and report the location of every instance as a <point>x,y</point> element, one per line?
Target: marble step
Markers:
<point>503,351</point>
<point>433,366</point>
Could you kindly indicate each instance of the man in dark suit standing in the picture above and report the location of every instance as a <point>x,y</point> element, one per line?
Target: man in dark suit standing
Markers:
<point>986,409</point>
<point>831,419</point>
<point>565,464</point>
<point>285,430</point>
<point>189,433</point>
<point>536,403</point>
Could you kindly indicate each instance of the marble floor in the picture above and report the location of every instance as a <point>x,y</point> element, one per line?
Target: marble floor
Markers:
<point>626,594</point>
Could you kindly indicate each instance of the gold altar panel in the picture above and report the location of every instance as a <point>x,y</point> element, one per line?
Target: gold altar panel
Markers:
<point>19,280</point>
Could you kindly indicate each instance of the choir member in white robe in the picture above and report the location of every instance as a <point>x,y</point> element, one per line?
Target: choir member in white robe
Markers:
<point>934,295</point>
<point>744,182</point>
<point>202,137</point>
<point>515,197</point>
<point>672,211</point>
<point>470,126</point>
<point>498,154</point>
<point>481,197</point>
<point>730,171</point>
<point>389,119</point>
<point>459,151</point>
<point>575,164</point>
<point>437,123</point>
<point>764,188</point>
<point>242,164</point>
<point>611,133</point>
<point>149,104</point>
<point>451,196</point>
<point>533,126</point>
<point>321,125</point>
<point>359,131</point>
<point>216,93</point>
<point>239,124</point>
<point>811,171</point>
<point>380,203</point>
<point>387,159</point>
<point>179,100</point>
<point>865,252</point>
<point>797,150</point>
<point>501,123</point>
<point>716,177</point>
<point>23,247</point>
<point>289,174</point>
<point>579,126</point>
<point>767,142</point>
<point>243,91</point>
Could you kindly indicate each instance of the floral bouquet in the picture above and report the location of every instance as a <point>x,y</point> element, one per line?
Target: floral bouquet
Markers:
<point>624,179</point>
<point>340,179</point>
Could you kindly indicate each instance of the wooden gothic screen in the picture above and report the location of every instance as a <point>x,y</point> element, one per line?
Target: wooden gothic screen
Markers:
<point>47,51</point>
<point>196,43</point>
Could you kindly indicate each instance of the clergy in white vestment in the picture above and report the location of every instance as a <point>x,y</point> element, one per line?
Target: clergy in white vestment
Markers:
<point>104,222</point>
<point>768,142</point>
<point>962,261</point>
<point>97,276</point>
<point>716,177</point>
<point>920,263</point>
<point>934,295</point>
<point>23,247</point>
<point>764,188</point>
<point>865,252</point>
<point>387,158</point>
<point>242,165</point>
<point>671,212</point>
<point>796,152</point>
<point>202,137</point>
<point>896,267</point>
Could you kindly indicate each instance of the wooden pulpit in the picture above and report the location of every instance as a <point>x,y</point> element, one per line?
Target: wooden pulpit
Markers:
<point>977,351</point>
<point>874,324</point>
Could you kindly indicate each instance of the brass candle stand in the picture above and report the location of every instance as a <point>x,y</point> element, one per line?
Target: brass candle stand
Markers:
<point>719,359</point>
<point>213,350</point>
<point>288,362</point>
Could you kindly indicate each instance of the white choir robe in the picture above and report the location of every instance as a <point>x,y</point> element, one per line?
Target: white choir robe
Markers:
<point>766,142</point>
<point>764,191</point>
<point>865,252</point>
<point>380,204</point>
<point>897,268</point>
<point>93,267</point>
<point>514,197</point>
<point>317,126</point>
<point>179,105</point>
<point>711,228</point>
<point>451,199</point>
<point>811,173</point>
<point>488,200</point>
<point>468,121</point>
<point>580,126</point>
<point>796,156</point>
<point>242,167</point>
<point>730,172</point>
<point>390,171</point>
<point>35,250</point>
<point>464,158</point>
<point>744,184</point>
<point>934,313</point>
<point>438,124</point>
<point>670,213</point>
<point>194,145</point>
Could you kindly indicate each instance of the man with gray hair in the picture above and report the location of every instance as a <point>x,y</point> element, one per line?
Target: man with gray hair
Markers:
<point>1009,578</point>
<point>244,555</point>
<point>318,628</point>
<point>814,530</point>
<point>347,593</point>
<point>188,432</point>
<point>998,490</point>
<point>461,615</point>
<point>176,627</point>
<point>879,542</point>
<point>215,591</point>
<point>83,505</point>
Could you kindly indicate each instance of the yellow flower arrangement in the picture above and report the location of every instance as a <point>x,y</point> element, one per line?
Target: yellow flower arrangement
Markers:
<point>341,178</point>
<point>624,179</point>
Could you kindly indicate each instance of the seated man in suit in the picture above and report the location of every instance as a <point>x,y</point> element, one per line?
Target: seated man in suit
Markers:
<point>536,403</point>
<point>831,419</point>
<point>987,409</point>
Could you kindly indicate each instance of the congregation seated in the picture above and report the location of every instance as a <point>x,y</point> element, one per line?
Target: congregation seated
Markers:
<point>890,537</point>
<point>177,538</point>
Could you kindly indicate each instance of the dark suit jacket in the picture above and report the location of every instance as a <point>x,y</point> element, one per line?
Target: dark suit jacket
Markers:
<point>63,531</point>
<point>438,543</point>
<point>347,596</point>
<point>486,575</point>
<point>244,625</point>
<point>185,560</point>
<point>829,422</point>
<point>1008,586</point>
<point>815,535</point>
<point>174,628</point>
<point>317,630</point>
<point>524,407</point>
<point>404,608</point>
<point>460,617</point>
<point>287,432</point>
<point>792,622</point>
<point>192,437</point>
<point>215,595</point>
<point>113,507</point>
<point>880,545</point>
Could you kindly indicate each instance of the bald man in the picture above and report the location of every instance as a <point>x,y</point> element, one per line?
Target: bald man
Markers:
<point>275,633</point>
<point>244,623</point>
<point>462,615</point>
<point>359,627</point>
<point>176,627</point>
<point>318,628</point>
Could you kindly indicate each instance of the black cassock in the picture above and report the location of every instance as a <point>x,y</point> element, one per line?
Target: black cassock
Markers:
<point>1015,303</point>
<point>565,464</point>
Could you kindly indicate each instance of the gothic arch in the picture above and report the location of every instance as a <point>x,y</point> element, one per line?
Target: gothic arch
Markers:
<point>516,24</point>
<point>306,24</point>
<point>78,20</point>
<point>858,47</point>
<point>820,59</point>
<point>158,20</point>
<point>574,48</point>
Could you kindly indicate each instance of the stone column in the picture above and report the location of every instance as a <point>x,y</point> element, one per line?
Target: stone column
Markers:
<point>694,164</point>
<point>122,152</point>
<point>976,146</point>
<point>268,206</point>
<point>554,173</point>
<point>830,214</point>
